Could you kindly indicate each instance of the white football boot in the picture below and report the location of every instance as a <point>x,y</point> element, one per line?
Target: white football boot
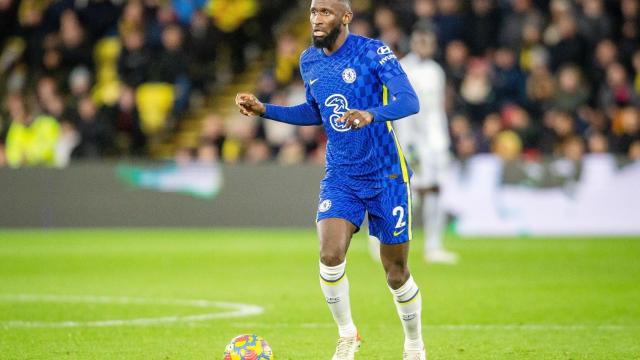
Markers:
<point>347,347</point>
<point>414,355</point>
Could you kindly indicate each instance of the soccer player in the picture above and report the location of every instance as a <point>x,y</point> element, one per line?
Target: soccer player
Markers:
<point>425,137</point>
<point>355,87</point>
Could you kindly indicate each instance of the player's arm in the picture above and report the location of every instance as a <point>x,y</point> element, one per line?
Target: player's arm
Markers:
<point>405,103</point>
<point>303,114</point>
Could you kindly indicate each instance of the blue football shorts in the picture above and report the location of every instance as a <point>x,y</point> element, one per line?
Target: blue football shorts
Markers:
<point>388,208</point>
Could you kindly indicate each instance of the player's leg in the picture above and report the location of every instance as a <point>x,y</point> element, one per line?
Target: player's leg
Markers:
<point>406,296</point>
<point>338,213</point>
<point>390,222</point>
<point>335,236</point>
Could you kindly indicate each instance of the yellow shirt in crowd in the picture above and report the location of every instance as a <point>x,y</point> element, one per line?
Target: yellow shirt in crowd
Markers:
<point>34,144</point>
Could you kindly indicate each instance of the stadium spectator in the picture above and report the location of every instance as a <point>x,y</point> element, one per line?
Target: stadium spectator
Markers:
<point>491,127</point>
<point>477,92</point>
<point>481,23</point>
<point>597,143</point>
<point>594,22</point>
<point>558,128</point>
<point>455,63</point>
<point>169,65</point>
<point>75,46</point>
<point>519,13</point>
<point>200,45</point>
<point>258,152</point>
<point>628,129</point>
<point>130,139</point>
<point>213,132</point>
<point>634,151</point>
<point>616,91</point>
<point>134,58</point>
<point>572,92</point>
<point>569,47</point>
<point>449,22</point>
<point>31,139</point>
<point>509,82</point>
<point>291,152</point>
<point>96,132</point>
<point>519,121</point>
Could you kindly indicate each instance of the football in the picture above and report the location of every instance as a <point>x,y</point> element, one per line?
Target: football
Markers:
<point>248,347</point>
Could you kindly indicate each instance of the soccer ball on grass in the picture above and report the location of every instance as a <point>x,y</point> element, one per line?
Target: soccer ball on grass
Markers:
<point>248,347</point>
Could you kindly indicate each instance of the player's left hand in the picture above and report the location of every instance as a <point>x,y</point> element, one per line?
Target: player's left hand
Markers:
<point>356,119</point>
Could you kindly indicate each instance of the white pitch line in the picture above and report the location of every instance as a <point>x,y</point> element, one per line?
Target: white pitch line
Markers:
<point>465,327</point>
<point>233,310</point>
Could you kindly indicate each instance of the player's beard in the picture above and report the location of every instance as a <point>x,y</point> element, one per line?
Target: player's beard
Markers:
<point>327,41</point>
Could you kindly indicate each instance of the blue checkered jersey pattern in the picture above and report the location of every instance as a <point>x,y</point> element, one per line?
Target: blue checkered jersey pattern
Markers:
<point>354,77</point>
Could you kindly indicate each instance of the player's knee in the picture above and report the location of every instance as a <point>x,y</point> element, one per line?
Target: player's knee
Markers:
<point>331,259</point>
<point>397,275</point>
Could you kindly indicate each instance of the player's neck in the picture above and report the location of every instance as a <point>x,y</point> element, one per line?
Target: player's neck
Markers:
<point>342,38</point>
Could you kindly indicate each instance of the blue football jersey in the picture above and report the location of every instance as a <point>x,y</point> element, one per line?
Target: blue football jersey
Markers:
<point>354,77</point>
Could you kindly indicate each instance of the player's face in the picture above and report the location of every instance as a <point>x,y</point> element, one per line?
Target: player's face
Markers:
<point>329,19</point>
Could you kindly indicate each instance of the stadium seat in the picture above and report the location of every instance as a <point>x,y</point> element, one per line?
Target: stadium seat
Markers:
<point>107,87</point>
<point>154,101</point>
<point>107,51</point>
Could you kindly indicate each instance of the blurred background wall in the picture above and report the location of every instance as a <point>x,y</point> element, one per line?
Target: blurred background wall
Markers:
<point>484,195</point>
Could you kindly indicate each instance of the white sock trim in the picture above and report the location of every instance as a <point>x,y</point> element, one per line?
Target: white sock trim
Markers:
<point>332,274</point>
<point>406,292</point>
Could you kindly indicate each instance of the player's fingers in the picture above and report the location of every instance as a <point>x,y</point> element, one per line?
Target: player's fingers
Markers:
<point>241,97</point>
<point>345,117</point>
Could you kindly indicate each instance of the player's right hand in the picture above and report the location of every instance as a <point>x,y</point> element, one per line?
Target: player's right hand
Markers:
<point>249,105</point>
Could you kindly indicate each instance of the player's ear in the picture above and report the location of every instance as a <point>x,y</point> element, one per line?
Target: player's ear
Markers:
<point>347,17</point>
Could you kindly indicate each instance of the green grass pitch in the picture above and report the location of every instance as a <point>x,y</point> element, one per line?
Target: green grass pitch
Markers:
<point>525,298</point>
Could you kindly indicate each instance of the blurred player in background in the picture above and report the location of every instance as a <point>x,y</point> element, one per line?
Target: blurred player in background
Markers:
<point>366,171</point>
<point>425,137</point>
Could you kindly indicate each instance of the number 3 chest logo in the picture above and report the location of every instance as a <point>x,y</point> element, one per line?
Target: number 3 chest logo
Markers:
<point>339,104</point>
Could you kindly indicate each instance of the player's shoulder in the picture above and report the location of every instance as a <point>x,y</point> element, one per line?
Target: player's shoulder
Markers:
<point>372,46</point>
<point>309,54</point>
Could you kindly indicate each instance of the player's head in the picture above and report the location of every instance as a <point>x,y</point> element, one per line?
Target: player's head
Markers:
<point>329,19</point>
<point>423,41</point>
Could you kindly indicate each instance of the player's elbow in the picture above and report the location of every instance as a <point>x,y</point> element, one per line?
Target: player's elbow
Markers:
<point>413,105</point>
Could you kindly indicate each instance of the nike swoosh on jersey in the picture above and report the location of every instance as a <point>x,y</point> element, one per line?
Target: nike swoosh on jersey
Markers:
<point>397,233</point>
<point>313,81</point>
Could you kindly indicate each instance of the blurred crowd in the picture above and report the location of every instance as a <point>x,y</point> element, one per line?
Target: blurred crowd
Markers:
<point>101,78</point>
<point>525,78</point>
